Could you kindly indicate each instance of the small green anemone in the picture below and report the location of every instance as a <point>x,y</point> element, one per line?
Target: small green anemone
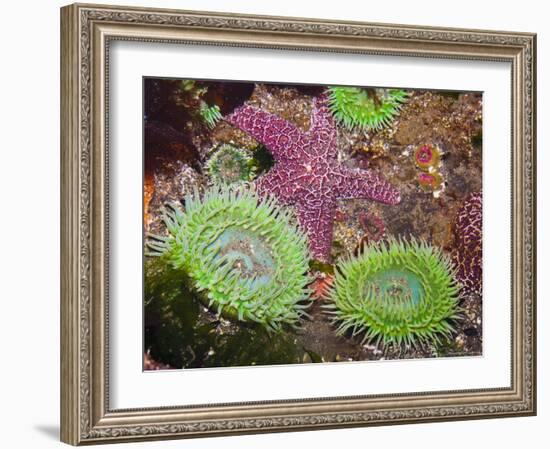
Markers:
<point>358,107</point>
<point>242,254</point>
<point>210,115</point>
<point>229,164</point>
<point>395,293</point>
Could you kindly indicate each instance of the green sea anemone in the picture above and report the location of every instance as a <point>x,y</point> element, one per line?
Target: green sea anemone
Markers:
<point>395,293</point>
<point>229,164</point>
<point>210,115</point>
<point>358,107</point>
<point>244,255</point>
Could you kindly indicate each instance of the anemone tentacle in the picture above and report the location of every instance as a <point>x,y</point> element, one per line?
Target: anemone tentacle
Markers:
<point>395,293</point>
<point>243,255</point>
<point>357,107</point>
<point>210,115</point>
<point>229,164</point>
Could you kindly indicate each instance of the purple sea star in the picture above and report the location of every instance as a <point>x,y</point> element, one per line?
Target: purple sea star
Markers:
<point>468,252</point>
<point>307,174</point>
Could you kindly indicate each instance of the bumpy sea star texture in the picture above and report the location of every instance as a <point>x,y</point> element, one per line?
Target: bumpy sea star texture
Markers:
<point>467,256</point>
<point>307,174</point>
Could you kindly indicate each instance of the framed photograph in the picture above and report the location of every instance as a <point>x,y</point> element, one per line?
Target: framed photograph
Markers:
<point>279,224</point>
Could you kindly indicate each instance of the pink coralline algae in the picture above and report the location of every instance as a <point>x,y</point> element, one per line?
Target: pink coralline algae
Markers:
<point>467,255</point>
<point>307,174</point>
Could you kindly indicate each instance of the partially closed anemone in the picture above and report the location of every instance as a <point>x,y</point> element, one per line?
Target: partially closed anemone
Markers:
<point>243,255</point>
<point>395,293</point>
<point>229,165</point>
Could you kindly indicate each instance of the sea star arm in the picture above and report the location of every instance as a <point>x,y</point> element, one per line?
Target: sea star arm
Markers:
<point>356,183</point>
<point>321,117</point>
<point>322,131</point>
<point>316,219</point>
<point>281,137</point>
<point>279,182</point>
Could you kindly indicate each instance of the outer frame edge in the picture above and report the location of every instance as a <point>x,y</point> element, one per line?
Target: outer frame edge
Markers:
<point>70,314</point>
<point>69,129</point>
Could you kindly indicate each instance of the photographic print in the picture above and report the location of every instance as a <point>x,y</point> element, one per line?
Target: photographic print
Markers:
<point>288,224</point>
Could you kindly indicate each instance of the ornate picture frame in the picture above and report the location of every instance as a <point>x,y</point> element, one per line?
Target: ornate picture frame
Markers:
<point>87,31</point>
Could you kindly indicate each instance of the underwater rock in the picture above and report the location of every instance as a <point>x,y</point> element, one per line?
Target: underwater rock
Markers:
<point>170,184</point>
<point>373,225</point>
<point>241,253</point>
<point>198,101</point>
<point>467,255</point>
<point>350,233</point>
<point>365,108</point>
<point>224,133</point>
<point>163,142</point>
<point>181,117</point>
<point>148,191</point>
<point>160,133</point>
<point>395,293</point>
<point>375,230</point>
<point>442,230</point>
<point>228,95</point>
<point>285,102</point>
<point>307,174</point>
<point>157,96</point>
<point>150,364</point>
<point>433,117</point>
